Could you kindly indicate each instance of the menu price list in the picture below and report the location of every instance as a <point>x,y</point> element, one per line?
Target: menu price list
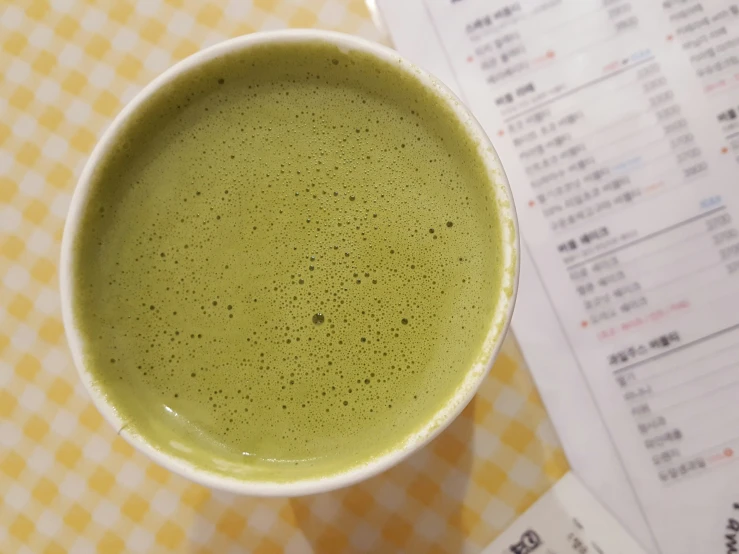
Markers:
<point>618,125</point>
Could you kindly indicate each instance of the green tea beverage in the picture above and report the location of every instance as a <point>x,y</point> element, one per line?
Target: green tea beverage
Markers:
<point>289,263</point>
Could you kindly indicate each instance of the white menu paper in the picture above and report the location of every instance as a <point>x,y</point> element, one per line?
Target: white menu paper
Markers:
<point>567,519</point>
<point>617,122</point>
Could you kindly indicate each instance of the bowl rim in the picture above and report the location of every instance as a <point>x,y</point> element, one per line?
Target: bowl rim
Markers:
<point>443,417</point>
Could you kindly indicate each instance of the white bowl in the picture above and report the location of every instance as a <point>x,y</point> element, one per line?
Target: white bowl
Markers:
<point>464,393</point>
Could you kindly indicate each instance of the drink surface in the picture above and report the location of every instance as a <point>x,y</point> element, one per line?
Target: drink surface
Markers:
<point>290,262</point>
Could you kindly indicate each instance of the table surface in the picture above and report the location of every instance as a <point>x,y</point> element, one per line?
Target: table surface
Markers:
<point>69,483</point>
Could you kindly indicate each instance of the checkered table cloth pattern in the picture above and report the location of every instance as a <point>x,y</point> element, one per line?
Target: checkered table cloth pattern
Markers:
<point>68,482</point>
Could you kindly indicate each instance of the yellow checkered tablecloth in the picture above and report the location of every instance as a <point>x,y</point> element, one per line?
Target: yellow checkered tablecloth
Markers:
<point>69,484</point>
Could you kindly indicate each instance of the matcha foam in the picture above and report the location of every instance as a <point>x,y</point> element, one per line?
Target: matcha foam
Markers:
<point>288,264</point>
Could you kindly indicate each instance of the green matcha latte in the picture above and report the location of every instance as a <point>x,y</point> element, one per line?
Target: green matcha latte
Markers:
<point>289,262</point>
